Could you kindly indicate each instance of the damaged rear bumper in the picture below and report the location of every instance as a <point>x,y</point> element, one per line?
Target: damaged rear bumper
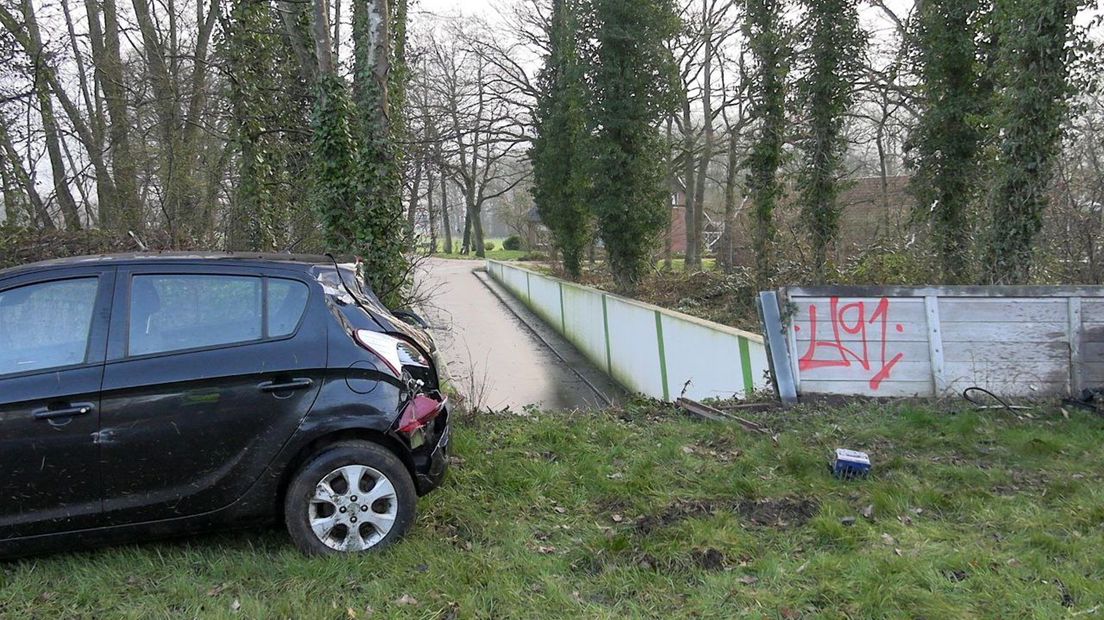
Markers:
<point>431,459</point>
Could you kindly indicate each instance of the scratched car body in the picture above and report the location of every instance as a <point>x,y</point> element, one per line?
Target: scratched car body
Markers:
<point>155,395</point>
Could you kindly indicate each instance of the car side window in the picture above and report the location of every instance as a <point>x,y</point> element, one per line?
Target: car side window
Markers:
<point>46,325</point>
<point>178,312</point>
<point>287,299</point>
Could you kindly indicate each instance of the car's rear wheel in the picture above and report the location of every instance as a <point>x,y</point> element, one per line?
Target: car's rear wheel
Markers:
<point>355,496</point>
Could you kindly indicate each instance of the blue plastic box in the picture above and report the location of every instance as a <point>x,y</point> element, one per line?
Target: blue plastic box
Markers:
<point>851,464</point>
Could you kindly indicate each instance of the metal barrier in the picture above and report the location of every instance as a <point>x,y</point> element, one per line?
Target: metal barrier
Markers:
<point>647,349</point>
<point>938,341</point>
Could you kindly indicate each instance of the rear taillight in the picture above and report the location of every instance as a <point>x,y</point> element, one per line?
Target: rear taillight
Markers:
<point>419,412</point>
<point>394,352</point>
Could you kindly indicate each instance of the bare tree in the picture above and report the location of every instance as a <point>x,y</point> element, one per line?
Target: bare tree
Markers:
<point>482,129</point>
<point>709,30</point>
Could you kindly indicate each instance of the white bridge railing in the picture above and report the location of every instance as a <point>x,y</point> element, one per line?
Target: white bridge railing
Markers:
<point>647,349</point>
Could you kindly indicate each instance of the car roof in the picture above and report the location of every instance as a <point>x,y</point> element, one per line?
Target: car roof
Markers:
<point>145,258</point>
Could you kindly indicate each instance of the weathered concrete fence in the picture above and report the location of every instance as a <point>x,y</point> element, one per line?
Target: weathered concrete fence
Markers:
<point>647,349</point>
<point>894,341</point>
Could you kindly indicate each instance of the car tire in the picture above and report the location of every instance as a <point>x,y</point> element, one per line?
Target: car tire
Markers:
<point>325,515</point>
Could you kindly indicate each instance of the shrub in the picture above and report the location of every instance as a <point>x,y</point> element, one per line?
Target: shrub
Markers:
<point>489,246</point>
<point>513,242</point>
<point>19,245</point>
<point>890,264</point>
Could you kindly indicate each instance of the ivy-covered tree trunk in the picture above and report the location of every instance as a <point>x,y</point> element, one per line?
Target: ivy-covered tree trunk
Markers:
<point>399,76</point>
<point>635,81</point>
<point>767,44</point>
<point>558,155</point>
<point>248,53</point>
<point>334,162</point>
<point>15,207</point>
<point>379,207</point>
<point>1034,52</point>
<point>832,55</point>
<point>333,153</point>
<point>949,136</point>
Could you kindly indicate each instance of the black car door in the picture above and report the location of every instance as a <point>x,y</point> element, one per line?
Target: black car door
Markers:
<point>53,335</point>
<point>209,372</point>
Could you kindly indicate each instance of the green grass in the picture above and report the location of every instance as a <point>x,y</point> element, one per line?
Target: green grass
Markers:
<point>496,254</point>
<point>679,264</point>
<point>645,513</point>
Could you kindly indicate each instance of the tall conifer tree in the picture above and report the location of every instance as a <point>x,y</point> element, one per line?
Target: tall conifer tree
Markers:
<point>634,88</point>
<point>558,152</point>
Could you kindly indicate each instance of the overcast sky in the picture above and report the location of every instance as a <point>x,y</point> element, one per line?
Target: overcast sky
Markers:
<point>449,7</point>
<point>872,18</point>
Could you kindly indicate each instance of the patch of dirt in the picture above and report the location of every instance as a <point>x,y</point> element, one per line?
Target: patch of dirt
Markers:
<point>716,449</point>
<point>613,505</point>
<point>678,512</point>
<point>956,575</point>
<point>1021,481</point>
<point>708,559</point>
<point>589,565</point>
<point>780,513</point>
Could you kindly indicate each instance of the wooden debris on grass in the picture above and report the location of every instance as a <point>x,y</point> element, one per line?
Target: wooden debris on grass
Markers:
<point>710,413</point>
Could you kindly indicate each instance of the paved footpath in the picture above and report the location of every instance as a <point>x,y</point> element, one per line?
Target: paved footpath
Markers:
<point>494,359</point>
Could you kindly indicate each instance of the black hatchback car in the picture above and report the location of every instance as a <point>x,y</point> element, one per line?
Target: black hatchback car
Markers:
<point>152,395</point>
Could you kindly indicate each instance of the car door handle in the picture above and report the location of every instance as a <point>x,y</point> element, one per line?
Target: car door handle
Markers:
<point>285,386</point>
<point>68,412</point>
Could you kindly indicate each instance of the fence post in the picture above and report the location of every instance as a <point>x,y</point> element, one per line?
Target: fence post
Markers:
<point>1074,333</point>
<point>935,345</point>
<point>778,353</point>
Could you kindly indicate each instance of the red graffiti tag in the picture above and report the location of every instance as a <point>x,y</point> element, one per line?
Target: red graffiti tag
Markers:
<point>858,325</point>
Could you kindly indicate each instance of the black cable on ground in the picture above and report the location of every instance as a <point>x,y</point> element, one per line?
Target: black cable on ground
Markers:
<point>967,395</point>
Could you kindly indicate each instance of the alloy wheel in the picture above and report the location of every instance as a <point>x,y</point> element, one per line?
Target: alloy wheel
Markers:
<point>353,508</point>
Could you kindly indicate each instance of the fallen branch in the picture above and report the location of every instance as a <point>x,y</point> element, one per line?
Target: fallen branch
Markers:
<point>709,413</point>
<point>748,407</point>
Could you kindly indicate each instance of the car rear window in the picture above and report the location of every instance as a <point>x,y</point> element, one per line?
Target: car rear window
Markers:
<point>46,325</point>
<point>180,312</point>
<point>287,299</point>
<point>177,312</point>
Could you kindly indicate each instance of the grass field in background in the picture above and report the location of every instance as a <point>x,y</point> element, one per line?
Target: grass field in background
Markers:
<point>498,253</point>
<point>645,513</point>
<point>679,264</point>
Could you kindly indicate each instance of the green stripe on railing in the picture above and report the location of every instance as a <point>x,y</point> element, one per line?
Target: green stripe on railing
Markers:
<point>563,317</point>
<point>609,347</point>
<point>662,356</point>
<point>745,365</point>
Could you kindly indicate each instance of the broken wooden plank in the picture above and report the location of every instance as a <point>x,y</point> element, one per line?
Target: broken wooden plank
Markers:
<point>710,413</point>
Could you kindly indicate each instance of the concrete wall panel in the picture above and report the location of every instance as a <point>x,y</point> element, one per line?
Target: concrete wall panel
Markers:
<point>634,349</point>
<point>648,350</point>
<point>585,323</point>
<point>897,341</point>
